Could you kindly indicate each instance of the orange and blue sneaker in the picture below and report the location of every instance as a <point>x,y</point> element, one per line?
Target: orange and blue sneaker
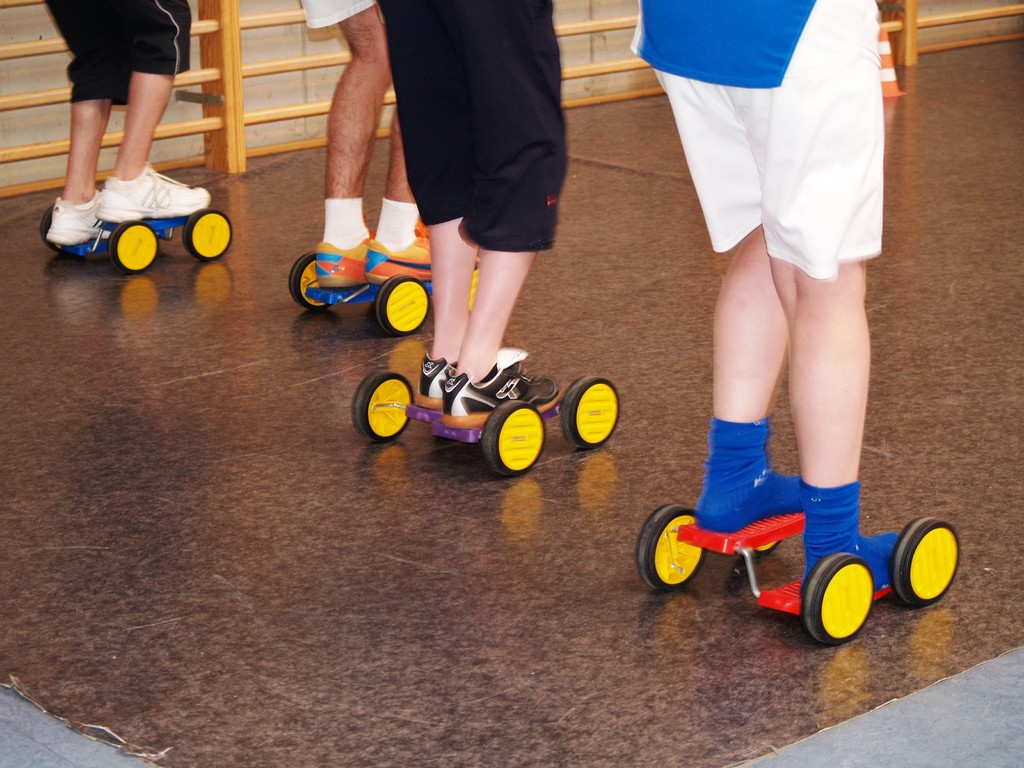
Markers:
<point>382,263</point>
<point>340,267</point>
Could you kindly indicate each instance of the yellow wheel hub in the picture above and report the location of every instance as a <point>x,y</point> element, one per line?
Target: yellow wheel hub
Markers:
<point>847,601</point>
<point>934,563</point>
<point>407,306</point>
<point>597,414</point>
<point>521,439</point>
<point>386,412</point>
<point>308,280</point>
<point>675,561</point>
<point>211,235</point>
<point>136,248</point>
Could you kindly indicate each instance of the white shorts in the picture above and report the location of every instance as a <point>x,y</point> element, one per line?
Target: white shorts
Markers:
<point>323,13</point>
<point>804,159</point>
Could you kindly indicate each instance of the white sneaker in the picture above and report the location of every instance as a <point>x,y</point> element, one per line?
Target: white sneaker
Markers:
<point>73,224</point>
<point>150,196</point>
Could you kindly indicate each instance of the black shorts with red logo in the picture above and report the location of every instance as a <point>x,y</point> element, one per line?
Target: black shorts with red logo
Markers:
<point>478,87</point>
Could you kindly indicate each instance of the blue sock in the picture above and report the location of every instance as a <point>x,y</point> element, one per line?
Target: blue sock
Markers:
<point>739,488</point>
<point>832,517</point>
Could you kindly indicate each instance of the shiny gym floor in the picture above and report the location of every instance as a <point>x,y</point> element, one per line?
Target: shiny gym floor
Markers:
<point>201,555</point>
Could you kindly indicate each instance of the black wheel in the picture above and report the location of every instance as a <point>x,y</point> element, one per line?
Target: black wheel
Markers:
<point>589,412</point>
<point>512,438</point>
<point>836,598</point>
<point>303,276</point>
<point>401,305</point>
<point>207,234</point>
<point>132,246</point>
<point>663,561</point>
<point>924,561</point>
<point>44,229</point>
<point>378,408</point>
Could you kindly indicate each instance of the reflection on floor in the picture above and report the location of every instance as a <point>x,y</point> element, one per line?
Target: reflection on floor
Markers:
<point>201,554</point>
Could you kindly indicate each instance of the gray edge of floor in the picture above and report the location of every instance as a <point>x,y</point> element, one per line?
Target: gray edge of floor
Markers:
<point>973,719</point>
<point>32,738</point>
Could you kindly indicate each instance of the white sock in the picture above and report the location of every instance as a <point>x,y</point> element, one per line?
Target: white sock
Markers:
<point>396,228</point>
<point>344,225</point>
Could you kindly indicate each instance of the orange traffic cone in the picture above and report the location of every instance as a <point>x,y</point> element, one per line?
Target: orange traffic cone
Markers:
<point>890,85</point>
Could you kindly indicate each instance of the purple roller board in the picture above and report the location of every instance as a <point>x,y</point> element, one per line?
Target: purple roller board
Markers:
<point>462,434</point>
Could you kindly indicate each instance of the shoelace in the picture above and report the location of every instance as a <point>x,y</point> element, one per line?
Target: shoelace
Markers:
<point>165,179</point>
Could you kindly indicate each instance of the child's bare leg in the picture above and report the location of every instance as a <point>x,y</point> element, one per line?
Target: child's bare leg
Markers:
<point>750,347</point>
<point>501,278</point>
<point>73,216</point>
<point>829,362</point>
<point>148,95</point>
<point>482,374</point>
<point>88,123</point>
<point>472,339</point>
<point>486,375</point>
<point>829,369</point>
<point>454,259</point>
<point>750,336</point>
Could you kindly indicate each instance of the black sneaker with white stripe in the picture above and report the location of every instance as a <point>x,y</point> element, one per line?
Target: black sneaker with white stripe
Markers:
<point>433,374</point>
<point>466,404</point>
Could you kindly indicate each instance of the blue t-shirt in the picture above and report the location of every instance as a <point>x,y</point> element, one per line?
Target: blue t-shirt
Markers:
<point>746,43</point>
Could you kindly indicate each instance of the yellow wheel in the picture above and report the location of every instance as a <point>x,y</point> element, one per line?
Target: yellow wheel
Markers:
<point>836,598</point>
<point>207,234</point>
<point>378,408</point>
<point>924,561</point>
<point>589,412</point>
<point>764,549</point>
<point>512,438</point>
<point>662,560</point>
<point>401,305</point>
<point>303,276</point>
<point>133,246</point>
